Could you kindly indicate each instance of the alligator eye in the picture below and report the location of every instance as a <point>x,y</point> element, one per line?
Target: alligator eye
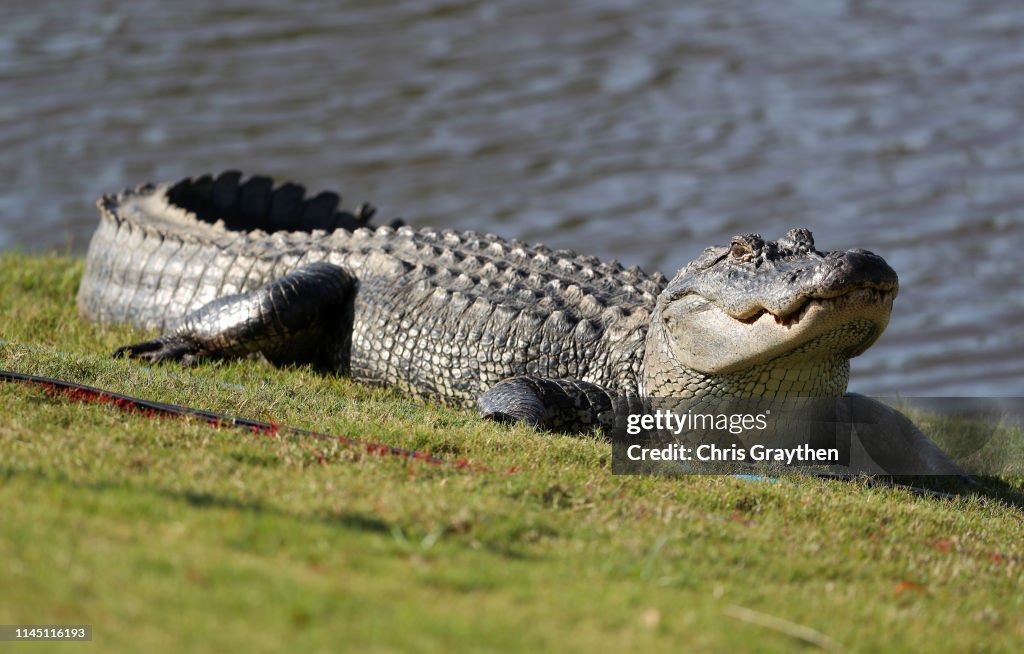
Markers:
<point>739,249</point>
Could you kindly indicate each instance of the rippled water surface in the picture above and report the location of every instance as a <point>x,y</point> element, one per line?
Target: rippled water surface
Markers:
<point>642,131</point>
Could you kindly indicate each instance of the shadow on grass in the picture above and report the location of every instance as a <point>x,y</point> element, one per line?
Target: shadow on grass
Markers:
<point>201,500</point>
<point>354,521</point>
<point>986,488</point>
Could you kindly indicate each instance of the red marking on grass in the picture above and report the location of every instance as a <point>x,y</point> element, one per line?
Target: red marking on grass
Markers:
<point>905,586</point>
<point>320,458</point>
<point>85,394</point>
<point>740,518</point>
<point>151,409</point>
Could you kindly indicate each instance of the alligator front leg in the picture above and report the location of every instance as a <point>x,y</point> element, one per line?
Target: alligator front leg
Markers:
<point>568,405</point>
<point>293,318</point>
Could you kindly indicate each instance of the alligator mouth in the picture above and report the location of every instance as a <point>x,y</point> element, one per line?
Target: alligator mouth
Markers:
<point>868,297</point>
<point>707,338</point>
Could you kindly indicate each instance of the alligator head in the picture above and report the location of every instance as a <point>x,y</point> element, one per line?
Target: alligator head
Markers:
<point>767,318</point>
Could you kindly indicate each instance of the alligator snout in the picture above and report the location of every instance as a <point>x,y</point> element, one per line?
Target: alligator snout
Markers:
<point>858,268</point>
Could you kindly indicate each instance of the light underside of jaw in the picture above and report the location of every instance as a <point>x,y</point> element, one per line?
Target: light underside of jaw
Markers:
<point>818,316</point>
<point>708,339</point>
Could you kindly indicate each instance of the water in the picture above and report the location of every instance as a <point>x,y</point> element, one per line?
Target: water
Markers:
<point>642,131</point>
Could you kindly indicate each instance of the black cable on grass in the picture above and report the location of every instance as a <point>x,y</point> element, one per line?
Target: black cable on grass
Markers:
<point>150,408</point>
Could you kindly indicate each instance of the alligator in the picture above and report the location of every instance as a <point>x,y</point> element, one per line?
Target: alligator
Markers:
<point>223,267</point>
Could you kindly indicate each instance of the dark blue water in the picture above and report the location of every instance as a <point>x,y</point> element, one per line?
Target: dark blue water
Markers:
<point>642,131</point>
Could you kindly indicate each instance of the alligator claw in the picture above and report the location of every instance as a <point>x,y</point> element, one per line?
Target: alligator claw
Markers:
<point>160,349</point>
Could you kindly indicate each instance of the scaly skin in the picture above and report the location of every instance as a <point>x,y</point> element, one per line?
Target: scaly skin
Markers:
<point>439,315</point>
<point>552,338</point>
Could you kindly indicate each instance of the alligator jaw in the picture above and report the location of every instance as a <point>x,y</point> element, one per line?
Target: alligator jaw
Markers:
<point>817,315</point>
<point>814,305</point>
<point>706,338</point>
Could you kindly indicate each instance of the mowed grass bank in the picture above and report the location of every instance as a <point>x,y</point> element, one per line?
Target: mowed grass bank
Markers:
<point>166,535</point>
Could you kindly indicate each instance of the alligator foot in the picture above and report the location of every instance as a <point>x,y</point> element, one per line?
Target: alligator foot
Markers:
<point>567,405</point>
<point>164,348</point>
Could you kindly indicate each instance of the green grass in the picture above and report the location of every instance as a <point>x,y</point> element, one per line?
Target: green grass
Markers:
<point>167,535</point>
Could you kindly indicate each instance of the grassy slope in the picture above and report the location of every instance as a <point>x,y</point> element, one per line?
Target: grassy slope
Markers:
<point>163,534</point>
